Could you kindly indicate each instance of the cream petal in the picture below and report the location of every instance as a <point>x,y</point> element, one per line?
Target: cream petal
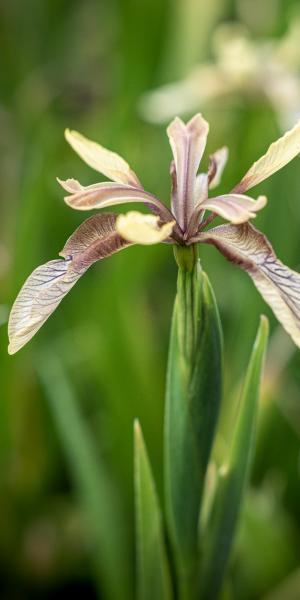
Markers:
<point>99,158</point>
<point>279,286</point>
<point>45,288</point>
<point>234,207</point>
<point>143,229</point>
<point>277,156</point>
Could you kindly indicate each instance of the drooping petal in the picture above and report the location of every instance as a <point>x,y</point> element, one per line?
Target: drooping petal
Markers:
<point>94,239</point>
<point>143,229</point>
<point>217,162</point>
<point>99,158</point>
<point>277,156</point>
<point>102,195</point>
<point>279,286</point>
<point>44,289</point>
<point>234,207</point>
<point>188,142</point>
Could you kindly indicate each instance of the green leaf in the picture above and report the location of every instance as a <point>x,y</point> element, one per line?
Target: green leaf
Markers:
<point>93,482</point>
<point>220,528</point>
<point>192,405</point>
<point>153,578</point>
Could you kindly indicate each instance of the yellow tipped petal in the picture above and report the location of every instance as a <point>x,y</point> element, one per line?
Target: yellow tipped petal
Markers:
<point>99,158</point>
<point>142,229</point>
<point>277,156</point>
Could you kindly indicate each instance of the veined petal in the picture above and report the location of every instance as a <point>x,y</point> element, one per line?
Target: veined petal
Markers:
<point>188,142</point>
<point>44,289</point>
<point>143,229</point>
<point>277,156</point>
<point>99,158</point>
<point>102,195</point>
<point>217,162</point>
<point>201,188</point>
<point>279,286</point>
<point>234,207</point>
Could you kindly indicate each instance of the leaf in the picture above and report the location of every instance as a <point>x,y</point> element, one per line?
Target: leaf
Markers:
<point>277,156</point>
<point>92,480</point>
<point>234,207</point>
<point>188,142</point>
<point>45,288</point>
<point>279,286</point>
<point>217,538</point>
<point>194,381</point>
<point>153,577</point>
<point>99,158</point>
<point>143,229</point>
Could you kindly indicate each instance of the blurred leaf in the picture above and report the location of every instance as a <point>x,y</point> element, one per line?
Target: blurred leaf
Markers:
<point>153,577</point>
<point>288,590</point>
<point>192,407</point>
<point>220,529</point>
<point>98,497</point>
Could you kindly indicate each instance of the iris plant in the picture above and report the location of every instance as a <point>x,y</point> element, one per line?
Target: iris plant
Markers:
<point>199,518</point>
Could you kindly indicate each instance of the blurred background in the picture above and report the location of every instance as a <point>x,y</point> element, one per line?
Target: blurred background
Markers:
<point>69,398</point>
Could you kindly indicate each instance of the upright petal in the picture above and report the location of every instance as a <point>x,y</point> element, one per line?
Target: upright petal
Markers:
<point>143,229</point>
<point>277,156</point>
<point>99,158</point>
<point>188,143</point>
<point>44,289</point>
<point>234,207</point>
<point>279,286</point>
<point>217,162</point>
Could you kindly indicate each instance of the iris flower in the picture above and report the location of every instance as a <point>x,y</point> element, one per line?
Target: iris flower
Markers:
<point>184,223</point>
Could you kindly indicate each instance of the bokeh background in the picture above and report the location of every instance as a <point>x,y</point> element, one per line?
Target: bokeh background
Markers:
<point>68,400</point>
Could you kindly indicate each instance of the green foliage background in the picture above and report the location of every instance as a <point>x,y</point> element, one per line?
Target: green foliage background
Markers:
<point>84,65</point>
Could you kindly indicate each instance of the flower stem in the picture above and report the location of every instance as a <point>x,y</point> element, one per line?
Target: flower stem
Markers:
<point>186,257</point>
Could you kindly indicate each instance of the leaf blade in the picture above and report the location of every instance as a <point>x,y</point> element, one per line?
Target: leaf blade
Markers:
<point>192,407</point>
<point>91,479</point>
<point>217,538</point>
<point>153,577</point>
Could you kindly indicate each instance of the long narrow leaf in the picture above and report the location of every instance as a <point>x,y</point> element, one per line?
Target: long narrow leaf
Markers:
<point>221,526</point>
<point>94,486</point>
<point>192,407</point>
<point>153,578</point>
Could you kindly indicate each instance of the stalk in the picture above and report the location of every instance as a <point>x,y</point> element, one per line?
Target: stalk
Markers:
<point>192,406</point>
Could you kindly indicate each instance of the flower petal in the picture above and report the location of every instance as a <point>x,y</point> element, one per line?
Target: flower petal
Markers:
<point>44,289</point>
<point>143,229</point>
<point>201,188</point>
<point>99,158</point>
<point>102,195</point>
<point>279,286</point>
<point>234,207</point>
<point>217,162</point>
<point>277,156</point>
<point>188,142</point>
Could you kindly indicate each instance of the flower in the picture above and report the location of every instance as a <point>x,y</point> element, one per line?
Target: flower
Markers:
<point>184,224</point>
<point>266,69</point>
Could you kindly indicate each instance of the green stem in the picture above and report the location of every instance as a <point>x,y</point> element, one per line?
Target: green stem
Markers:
<point>192,406</point>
